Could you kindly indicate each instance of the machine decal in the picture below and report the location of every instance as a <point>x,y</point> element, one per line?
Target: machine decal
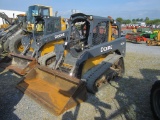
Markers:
<point>60,35</point>
<point>106,48</point>
<point>122,43</point>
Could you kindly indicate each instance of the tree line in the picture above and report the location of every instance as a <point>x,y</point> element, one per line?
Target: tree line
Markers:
<point>134,21</point>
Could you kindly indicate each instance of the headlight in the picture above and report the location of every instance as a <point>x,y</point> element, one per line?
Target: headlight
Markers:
<point>29,22</point>
<point>91,17</point>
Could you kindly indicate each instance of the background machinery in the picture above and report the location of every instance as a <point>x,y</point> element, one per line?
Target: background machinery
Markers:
<point>34,23</point>
<point>142,34</point>
<point>8,33</point>
<point>24,26</point>
<point>27,43</point>
<point>88,56</point>
<point>37,10</point>
<point>154,39</point>
<point>6,20</point>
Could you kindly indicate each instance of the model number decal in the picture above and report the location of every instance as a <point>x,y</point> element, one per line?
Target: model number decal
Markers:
<point>60,35</point>
<point>122,43</point>
<point>106,48</point>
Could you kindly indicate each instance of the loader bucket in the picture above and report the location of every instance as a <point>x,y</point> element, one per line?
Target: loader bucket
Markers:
<point>53,89</point>
<point>5,61</point>
<point>21,64</point>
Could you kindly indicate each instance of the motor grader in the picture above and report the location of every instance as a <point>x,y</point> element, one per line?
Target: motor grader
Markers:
<point>88,56</point>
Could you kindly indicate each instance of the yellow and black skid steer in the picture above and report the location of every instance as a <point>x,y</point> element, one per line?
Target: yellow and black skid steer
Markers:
<point>90,56</point>
<point>23,49</point>
<point>33,22</point>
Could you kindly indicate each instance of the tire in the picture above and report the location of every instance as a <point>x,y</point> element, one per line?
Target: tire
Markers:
<point>155,100</point>
<point>121,67</point>
<point>92,84</point>
<point>6,45</point>
<point>15,44</point>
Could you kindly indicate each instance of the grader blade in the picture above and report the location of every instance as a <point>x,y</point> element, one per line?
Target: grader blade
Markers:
<point>53,89</point>
<point>21,64</point>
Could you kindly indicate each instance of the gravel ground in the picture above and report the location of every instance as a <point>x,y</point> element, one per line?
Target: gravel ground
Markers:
<point>127,98</point>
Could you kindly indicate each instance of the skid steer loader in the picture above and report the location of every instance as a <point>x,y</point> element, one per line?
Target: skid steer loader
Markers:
<point>34,12</point>
<point>26,45</point>
<point>89,56</point>
<point>23,26</point>
<point>34,27</point>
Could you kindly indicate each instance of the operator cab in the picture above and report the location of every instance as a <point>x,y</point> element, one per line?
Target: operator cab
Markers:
<point>93,30</point>
<point>37,10</point>
<point>35,14</point>
<point>80,30</point>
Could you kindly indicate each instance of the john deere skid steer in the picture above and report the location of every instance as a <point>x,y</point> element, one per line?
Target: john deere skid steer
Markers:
<point>90,55</point>
<point>25,57</point>
<point>33,22</point>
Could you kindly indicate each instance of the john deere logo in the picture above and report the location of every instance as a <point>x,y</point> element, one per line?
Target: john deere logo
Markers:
<point>60,35</point>
<point>106,48</point>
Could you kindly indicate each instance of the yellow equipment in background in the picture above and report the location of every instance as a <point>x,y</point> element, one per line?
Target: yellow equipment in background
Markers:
<point>37,10</point>
<point>4,26</point>
<point>155,41</point>
<point>6,20</point>
<point>50,25</point>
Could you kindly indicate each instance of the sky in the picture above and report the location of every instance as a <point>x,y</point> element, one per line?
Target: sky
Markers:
<point>126,9</point>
